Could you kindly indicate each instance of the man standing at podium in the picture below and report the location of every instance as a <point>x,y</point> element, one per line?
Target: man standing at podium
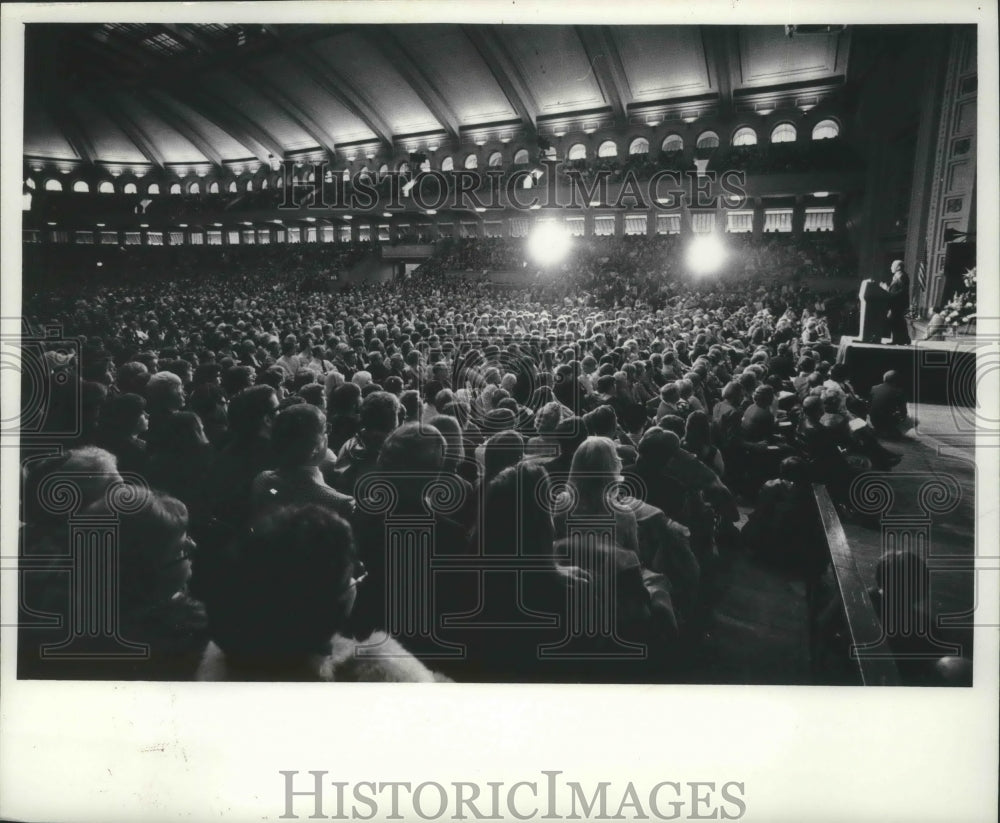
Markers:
<point>899,303</point>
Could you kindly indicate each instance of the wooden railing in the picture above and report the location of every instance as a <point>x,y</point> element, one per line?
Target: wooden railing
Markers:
<point>863,624</point>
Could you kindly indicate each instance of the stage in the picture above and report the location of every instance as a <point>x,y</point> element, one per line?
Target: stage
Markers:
<point>932,371</point>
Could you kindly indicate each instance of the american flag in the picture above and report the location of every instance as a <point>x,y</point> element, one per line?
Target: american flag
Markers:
<point>922,273</point>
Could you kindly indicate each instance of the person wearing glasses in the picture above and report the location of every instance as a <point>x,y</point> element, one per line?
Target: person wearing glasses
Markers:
<point>285,610</point>
<point>149,563</point>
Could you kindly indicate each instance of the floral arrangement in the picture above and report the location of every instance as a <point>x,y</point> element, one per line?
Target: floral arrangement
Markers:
<point>961,309</point>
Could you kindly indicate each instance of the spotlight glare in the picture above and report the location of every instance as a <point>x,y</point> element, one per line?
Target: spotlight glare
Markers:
<point>548,243</point>
<point>706,254</point>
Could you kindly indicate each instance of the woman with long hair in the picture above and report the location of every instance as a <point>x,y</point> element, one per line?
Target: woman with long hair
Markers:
<point>529,599</point>
<point>698,441</point>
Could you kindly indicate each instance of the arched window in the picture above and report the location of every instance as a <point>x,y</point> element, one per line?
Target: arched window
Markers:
<point>213,187</point>
<point>404,168</point>
<point>194,188</point>
<point>81,186</point>
<point>231,188</point>
<point>383,169</point>
<point>521,157</point>
<point>30,183</point>
<point>153,188</point>
<point>280,182</point>
<point>471,162</point>
<point>249,185</point>
<point>263,184</point>
<point>708,140</point>
<point>639,146</point>
<point>825,130</point>
<point>53,185</point>
<point>106,187</point>
<point>175,188</point>
<point>745,136</point>
<point>608,149</point>
<point>672,142</point>
<point>496,160</point>
<point>346,176</point>
<point>448,164</point>
<point>130,188</point>
<point>784,133</point>
<point>578,151</point>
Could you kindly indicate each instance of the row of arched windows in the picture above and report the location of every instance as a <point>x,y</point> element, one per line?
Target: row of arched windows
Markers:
<point>743,136</point>
<point>107,187</point>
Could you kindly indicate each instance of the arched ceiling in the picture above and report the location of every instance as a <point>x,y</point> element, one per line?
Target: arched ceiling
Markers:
<point>163,94</point>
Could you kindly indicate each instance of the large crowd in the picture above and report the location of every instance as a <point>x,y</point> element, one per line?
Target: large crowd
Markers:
<point>631,268</point>
<point>429,479</point>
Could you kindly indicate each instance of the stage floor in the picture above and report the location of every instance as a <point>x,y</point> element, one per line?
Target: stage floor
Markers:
<point>960,343</point>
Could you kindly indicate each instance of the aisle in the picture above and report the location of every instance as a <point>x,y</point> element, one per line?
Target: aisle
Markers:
<point>944,458</point>
<point>758,631</point>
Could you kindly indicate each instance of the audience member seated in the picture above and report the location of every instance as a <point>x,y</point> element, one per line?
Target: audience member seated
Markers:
<point>887,409</point>
<point>181,467</point>
<point>380,414</point>
<point>123,421</point>
<point>287,603</point>
<point>160,631</point>
<point>783,529</point>
<point>298,441</point>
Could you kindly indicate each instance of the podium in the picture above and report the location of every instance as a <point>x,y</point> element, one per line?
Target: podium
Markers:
<point>874,307</point>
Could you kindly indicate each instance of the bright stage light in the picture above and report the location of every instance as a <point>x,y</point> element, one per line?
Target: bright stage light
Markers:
<point>706,254</point>
<point>548,243</point>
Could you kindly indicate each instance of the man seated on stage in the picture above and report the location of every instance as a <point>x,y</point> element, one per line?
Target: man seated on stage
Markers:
<point>935,326</point>
<point>887,409</point>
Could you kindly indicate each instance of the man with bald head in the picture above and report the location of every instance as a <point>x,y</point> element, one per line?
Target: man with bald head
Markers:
<point>899,304</point>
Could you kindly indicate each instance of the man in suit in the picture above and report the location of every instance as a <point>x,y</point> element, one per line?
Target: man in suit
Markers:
<point>899,301</point>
